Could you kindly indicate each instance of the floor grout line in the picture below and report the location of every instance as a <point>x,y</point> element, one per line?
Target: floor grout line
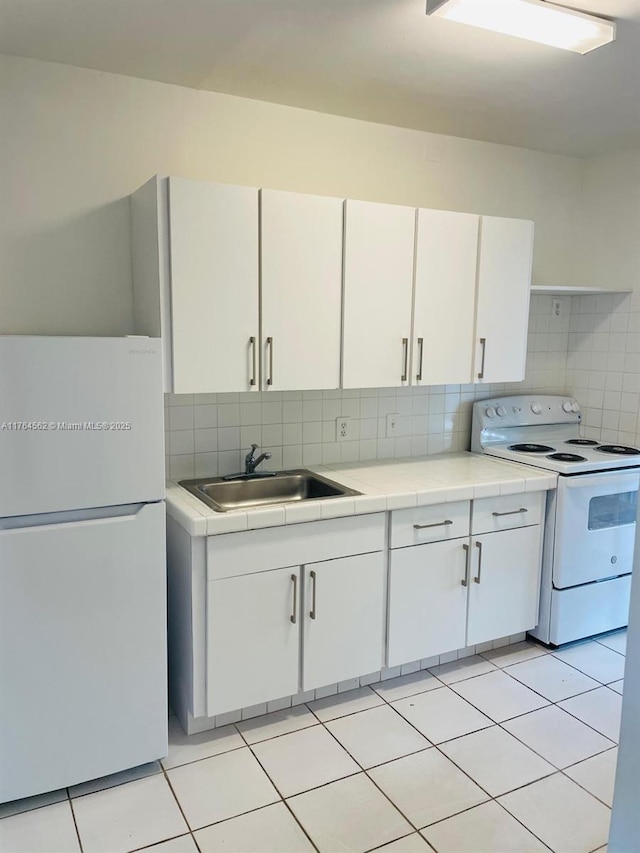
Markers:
<point>175,797</point>
<point>75,822</point>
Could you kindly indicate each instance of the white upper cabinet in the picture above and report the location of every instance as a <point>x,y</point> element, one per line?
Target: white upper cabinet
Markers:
<point>301,290</point>
<point>378,278</point>
<point>214,285</point>
<point>444,306</point>
<point>504,279</point>
<point>277,291</point>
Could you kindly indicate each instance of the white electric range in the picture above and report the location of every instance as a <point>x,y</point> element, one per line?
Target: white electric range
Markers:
<point>591,515</point>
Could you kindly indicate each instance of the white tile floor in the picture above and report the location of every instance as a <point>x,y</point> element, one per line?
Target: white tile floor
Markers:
<point>511,751</point>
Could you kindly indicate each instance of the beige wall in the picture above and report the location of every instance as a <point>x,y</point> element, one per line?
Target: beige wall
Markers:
<point>610,227</point>
<point>74,143</point>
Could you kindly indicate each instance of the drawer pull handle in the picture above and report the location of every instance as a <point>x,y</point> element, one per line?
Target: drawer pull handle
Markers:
<point>294,614</point>
<point>465,582</point>
<point>477,577</point>
<point>437,524</point>
<point>405,359</point>
<point>511,512</point>
<point>483,344</point>
<point>312,612</point>
<point>252,343</point>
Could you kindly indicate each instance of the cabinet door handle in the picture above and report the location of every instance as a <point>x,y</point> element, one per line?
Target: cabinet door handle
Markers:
<point>477,577</point>
<point>511,512</point>
<point>420,348</point>
<point>270,345</point>
<point>252,344</point>
<point>483,344</point>
<point>405,359</point>
<point>465,582</point>
<point>294,609</point>
<point>436,524</point>
<point>312,612</point>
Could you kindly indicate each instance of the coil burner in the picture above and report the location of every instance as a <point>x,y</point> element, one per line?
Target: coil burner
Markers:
<point>531,448</point>
<point>566,457</point>
<point>618,450</point>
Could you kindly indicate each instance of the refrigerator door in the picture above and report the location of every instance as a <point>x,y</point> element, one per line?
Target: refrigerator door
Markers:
<point>81,423</point>
<point>82,648</point>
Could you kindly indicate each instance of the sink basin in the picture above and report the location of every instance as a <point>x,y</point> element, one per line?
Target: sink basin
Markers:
<point>245,491</point>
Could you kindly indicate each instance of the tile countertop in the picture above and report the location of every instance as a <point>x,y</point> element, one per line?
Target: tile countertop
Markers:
<point>384,484</point>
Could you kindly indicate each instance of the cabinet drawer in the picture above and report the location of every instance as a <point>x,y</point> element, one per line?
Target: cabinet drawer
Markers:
<point>252,551</point>
<point>503,513</point>
<point>422,524</point>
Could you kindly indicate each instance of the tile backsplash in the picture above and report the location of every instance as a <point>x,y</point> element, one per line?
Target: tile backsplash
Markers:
<point>603,364</point>
<point>210,434</point>
<point>586,346</point>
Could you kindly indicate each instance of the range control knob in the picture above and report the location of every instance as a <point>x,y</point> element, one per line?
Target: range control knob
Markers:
<point>567,406</point>
<point>490,412</point>
<point>501,411</point>
<point>536,408</point>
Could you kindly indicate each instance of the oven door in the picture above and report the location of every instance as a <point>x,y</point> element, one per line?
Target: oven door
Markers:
<point>595,527</point>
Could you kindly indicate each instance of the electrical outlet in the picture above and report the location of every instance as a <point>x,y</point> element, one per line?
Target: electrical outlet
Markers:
<point>343,429</point>
<point>392,425</point>
<point>557,308</point>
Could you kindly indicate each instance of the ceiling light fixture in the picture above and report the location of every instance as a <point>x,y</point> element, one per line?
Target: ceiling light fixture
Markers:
<point>534,20</point>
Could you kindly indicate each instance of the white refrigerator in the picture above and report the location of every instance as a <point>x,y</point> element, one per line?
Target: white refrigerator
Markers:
<point>83,689</point>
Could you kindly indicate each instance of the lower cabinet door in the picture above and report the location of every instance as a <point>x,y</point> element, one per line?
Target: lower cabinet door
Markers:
<point>504,584</point>
<point>343,625</point>
<point>427,601</point>
<point>252,639</point>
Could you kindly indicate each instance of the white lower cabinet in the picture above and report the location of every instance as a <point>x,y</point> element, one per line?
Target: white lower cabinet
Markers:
<point>315,619</point>
<point>343,619</point>
<point>261,615</point>
<point>255,652</point>
<point>462,591</point>
<point>252,644</point>
<point>427,602</point>
<point>504,587</point>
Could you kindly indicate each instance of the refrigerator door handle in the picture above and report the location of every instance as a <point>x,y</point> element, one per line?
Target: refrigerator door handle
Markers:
<point>78,516</point>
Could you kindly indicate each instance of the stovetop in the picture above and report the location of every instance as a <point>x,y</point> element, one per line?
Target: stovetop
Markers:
<point>567,458</point>
<point>544,431</point>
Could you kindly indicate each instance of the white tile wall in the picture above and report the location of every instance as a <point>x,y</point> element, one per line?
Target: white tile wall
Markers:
<point>547,346</point>
<point>603,364</point>
<point>590,348</point>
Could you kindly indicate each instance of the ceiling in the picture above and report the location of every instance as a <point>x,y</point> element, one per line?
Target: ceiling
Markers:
<point>379,60</point>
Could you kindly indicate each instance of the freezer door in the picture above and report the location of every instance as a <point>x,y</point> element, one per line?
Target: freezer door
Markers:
<point>81,423</point>
<point>82,649</point>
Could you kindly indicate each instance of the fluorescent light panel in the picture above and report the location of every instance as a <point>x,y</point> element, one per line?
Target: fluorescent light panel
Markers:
<point>534,20</point>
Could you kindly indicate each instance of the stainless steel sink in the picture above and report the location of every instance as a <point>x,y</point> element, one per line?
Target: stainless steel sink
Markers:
<point>225,493</point>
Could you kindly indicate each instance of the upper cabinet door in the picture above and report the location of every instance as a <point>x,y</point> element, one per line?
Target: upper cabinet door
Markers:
<point>378,281</point>
<point>446,264</point>
<point>504,281</point>
<point>214,286</point>
<point>301,290</point>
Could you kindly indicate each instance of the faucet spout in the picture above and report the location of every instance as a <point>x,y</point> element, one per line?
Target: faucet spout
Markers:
<point>251,463</point>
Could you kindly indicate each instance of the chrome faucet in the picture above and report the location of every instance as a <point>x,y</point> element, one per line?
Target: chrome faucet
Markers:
<point>251,463</point>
